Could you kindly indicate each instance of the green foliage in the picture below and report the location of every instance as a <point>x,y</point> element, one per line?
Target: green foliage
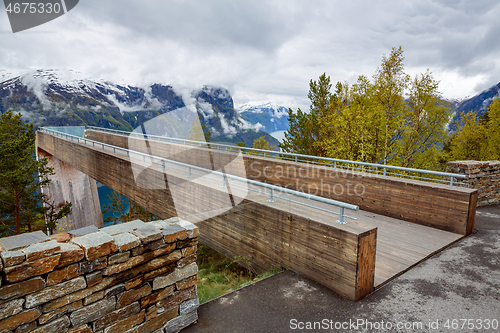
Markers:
<point>21,180</point>
<point>55,213</point>
<point>422,126</point>
<point>199,133</point>
<point>493,126</point>
<point>391,83</point>
<point>391,120</point>
<point>119,213</point>
<point>304,135</point>
<point>218,275</point>
<point>468,142</point>
<point>262,143</point>
<point>477,139</point>
<point>353,126</point>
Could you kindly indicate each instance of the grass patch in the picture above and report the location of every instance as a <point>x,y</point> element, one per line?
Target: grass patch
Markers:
<point>219,275</point>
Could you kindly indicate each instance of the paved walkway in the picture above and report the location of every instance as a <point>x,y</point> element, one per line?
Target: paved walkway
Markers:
<point>462,282</point>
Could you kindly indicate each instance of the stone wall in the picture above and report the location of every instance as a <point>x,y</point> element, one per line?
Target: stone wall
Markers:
<point>134,277</point>
<point>483,176</point>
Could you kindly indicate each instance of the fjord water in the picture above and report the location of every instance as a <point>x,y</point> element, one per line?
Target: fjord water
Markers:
<point>103,192</point>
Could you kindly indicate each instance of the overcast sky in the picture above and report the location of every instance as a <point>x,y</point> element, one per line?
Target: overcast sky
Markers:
<point>263,51</point>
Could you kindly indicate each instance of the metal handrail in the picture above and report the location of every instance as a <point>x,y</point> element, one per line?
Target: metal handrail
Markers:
<point>341,205</point>
<point>272,153</point>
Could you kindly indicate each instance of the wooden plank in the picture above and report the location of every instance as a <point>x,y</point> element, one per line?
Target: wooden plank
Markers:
<point>472,213</point>
<point>366,264</point>
<point>330,281</point>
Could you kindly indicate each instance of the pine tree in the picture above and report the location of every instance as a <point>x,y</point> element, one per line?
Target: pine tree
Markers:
<point>304,134</point>
<point>320,96</point>
<point>298,137</point>
<point>21,179</point>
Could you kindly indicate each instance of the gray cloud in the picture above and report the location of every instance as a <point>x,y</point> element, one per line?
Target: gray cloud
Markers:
<point>262,25</point>
<point>263,50</point>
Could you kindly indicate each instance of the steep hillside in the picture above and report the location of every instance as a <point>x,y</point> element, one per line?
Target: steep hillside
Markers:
<point>478,103</point>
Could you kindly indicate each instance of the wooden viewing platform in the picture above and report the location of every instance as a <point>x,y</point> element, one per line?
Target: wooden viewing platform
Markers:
<point>400,244</point>
<point>351,259</point>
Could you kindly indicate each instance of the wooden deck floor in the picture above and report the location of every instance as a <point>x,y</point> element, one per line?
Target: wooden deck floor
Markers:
<point>400,244</point>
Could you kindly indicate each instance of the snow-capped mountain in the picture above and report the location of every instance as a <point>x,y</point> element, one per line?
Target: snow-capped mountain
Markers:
<point>270,116</point>
<point>478,103</point>
<point>65,98</point>
<point>5,75</point>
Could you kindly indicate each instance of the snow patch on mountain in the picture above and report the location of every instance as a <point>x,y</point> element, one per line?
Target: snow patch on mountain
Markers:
<point>268,117</point>
<point>273,109</point>
<point>216,92</point>
<point>4,75</point>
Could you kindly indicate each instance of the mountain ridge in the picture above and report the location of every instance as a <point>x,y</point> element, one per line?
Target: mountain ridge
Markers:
<point>63,97</point>
<point>478,103</point>
<point>272,117</point>
<point>66,98</point>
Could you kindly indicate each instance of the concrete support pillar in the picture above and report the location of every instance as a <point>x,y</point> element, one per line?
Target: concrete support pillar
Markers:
<point>71,185</point>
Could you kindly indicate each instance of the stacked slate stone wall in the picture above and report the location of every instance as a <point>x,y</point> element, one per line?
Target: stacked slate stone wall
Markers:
<point>483,176</point>
<point>134,277</point>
